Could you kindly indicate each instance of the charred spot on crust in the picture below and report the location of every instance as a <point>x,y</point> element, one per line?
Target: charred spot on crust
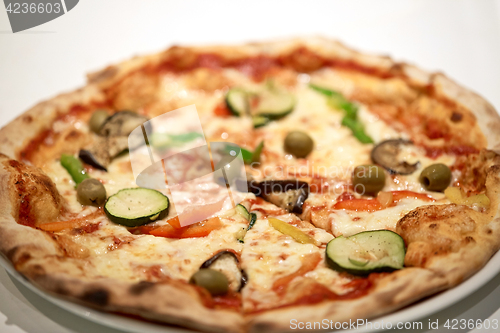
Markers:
<point>469,239</point>
<point>98,297</point>
<point>37,270</point>
<point>12,253</point>
<point>18,258</point>
<point>456,117</point>
<point>61,290</point>
<point>433,226</point>
<point>141,287</point>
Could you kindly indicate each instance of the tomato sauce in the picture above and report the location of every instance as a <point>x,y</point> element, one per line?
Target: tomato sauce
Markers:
<point>48,135</point>
<point>435,152</point>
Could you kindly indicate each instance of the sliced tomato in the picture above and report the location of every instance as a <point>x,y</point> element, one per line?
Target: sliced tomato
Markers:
<point>60,226</point>
<point>200,229</point>
<point>360,205</point>
<point>174,222</point>
<point>221,110</point>
<point>79,222</point>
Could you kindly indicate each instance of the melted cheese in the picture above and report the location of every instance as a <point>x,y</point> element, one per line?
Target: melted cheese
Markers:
<point>348,223</point>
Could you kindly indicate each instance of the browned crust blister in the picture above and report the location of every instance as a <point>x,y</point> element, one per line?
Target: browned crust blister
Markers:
<point>172,302</point>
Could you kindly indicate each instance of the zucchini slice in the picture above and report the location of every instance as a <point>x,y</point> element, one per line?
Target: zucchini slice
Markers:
<point>366,252</point>
<point>250,217</point>
<point>237,101</point>
<point>133,207</point>
<point>273,104</point>
<point>252,220</point>
<point>243,211</point>
<point>264,105</point>
<point>259,121</point>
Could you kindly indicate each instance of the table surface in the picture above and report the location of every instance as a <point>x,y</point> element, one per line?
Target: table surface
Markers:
<point>459,38</point>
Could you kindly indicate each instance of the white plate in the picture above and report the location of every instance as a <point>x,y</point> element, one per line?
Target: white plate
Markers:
<point>409,314</point>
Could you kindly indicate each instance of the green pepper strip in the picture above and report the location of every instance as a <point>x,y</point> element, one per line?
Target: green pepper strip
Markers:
<point>247,155</point>
<point>74,168</point>
<point>251,157</point>
<point>337,101</point>
<point>257,152</point>
<point>357,129</point>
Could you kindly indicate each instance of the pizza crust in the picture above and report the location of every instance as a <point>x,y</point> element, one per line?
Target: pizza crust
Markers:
<point>180,304</point>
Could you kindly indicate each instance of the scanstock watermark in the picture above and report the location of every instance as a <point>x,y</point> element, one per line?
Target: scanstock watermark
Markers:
<point>170,152</point>
<point>28,14</point>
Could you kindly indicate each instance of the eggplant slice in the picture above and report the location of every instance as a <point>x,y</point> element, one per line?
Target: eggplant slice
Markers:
<point>228,264</point>
<point>287,194</point>
<point>122,123</point>
<point>385,154</point>
<point>103,150</point>
<point>113,139</point>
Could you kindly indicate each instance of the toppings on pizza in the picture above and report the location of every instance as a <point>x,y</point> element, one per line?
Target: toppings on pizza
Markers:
<point>133,207</point>
<point>250,217</point>
<point>112,137</point>
<point>250,157</point>
<point>74,168</point>
<point>298,143</point>
<point>263,104</point>
<point>387,154</point>
<point>291,231</point>
<point>368,179</point>
<point>173,228</point>
<point>350,120</point>
<point>97,119</point>
<point>103,150</point>
<point>366,252</point>
<point>215,282</point>
<point>457,195</point>
<point>91,192</point>
<point>436,177</point>
<point>228,263</point>
<point>287,194</point>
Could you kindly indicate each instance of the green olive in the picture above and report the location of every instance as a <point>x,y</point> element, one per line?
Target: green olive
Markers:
<point>368,179</point>
<point>98,118</point>
<point>436,177</point>
<point>91,192</point>
<point>298,143</point>
<point>214,281</point>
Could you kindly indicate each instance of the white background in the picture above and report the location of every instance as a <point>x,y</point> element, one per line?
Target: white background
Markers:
<point>459,38</point>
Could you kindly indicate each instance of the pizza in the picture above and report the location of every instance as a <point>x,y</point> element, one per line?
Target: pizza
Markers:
<point>366,184</point>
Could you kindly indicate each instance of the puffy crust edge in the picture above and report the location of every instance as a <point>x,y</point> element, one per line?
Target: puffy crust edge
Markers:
<point>168,302</point>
